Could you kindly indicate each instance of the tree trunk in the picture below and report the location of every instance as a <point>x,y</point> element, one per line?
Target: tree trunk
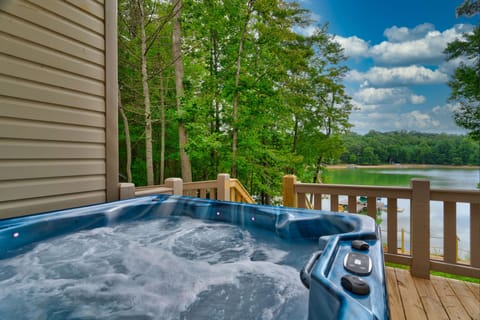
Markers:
<point>128,144</point>
<point>162,124</point>
<point>215,125</point>
<point>236,93</point>
<point>178,64</point>
<point>318,167</point>
<point>146,98</point>
<point>295,136</point>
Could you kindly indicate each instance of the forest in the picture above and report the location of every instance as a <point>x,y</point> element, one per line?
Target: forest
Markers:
<point>214,86</point>
<point>411,148</point>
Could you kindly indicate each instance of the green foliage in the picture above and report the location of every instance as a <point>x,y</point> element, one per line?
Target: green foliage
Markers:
<point>465,82</point>
<point>410,147</point>
<point>292,106</point>
<point>468,8</point>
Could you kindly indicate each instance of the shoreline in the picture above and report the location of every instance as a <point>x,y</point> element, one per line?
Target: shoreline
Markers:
<point>399,166</point>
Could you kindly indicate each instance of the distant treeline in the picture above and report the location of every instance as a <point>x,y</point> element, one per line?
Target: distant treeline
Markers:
<point>410,147</point>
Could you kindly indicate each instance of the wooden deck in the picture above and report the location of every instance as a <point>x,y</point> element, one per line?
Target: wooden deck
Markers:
<point>437,298</point>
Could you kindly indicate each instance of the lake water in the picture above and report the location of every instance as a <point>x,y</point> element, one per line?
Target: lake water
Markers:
<point>439,178</point>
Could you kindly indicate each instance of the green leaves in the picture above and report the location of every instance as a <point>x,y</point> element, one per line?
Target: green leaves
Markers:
<point>292,107</point>
<point>410,148</point>
<point>465,82</point>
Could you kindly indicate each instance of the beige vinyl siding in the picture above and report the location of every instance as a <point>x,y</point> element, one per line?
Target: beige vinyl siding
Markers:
<point>14,170</point>
<point>37,149</point>
<point>53,105</point>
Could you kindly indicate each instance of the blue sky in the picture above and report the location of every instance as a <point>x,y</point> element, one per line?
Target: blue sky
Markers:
<point>398,72</point>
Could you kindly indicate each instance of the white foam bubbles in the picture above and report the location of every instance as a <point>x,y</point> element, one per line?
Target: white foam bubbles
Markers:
<point>175,268</point>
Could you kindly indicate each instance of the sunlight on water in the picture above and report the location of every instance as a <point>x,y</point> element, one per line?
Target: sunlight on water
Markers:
<point>175,268</point>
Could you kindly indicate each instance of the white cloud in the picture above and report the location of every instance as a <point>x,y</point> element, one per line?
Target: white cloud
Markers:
<point>416,99</point>
<point>404,46</point>
<point>421,44</point>
<point>449,67</point>
<point>353,46</point>
<point>446,109</point>
<point>382,118</point>
<point>420,120</point>
<point>307,31</point>
<point>411,75</point>
<point>368,97</point>
<point>373,96</point>
<point>402,34</point>
<point>388,96</point>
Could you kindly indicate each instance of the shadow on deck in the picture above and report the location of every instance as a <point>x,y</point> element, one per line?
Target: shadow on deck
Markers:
<point>437,298</point>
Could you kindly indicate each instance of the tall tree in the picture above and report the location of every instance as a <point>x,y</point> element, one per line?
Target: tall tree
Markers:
<point>161,89</point>
<point>141,23</point>
<point>465,82</point>
<point>128,143</point>
<point>236,87</point>
<point>326,117</point>
<point>146,95</point>
<point>179,75</point>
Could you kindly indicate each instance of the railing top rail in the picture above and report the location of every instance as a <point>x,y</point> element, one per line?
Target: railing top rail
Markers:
<point>200,185</point>
<point>150,187</point>
<point>234,181</point>
<point>455,195</point>
<point>153,190</point>
<point>238,186</point>
<point>352,190</point>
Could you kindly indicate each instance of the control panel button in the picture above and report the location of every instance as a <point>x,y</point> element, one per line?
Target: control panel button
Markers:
<point>355,285</point>
<point>360,245</point>
<point>358,263</point>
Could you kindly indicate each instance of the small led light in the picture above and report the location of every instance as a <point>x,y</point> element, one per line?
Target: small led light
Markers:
<point>16,234</point>
<point>253,218</point>
<point>218,213</point>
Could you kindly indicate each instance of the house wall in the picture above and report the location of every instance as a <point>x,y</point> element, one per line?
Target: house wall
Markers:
<point>58,105</point>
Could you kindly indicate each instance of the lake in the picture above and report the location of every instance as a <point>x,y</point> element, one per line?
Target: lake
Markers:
<point>445,178</point>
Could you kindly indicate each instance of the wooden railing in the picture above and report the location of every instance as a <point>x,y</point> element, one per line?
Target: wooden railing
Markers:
<point>224,188</point>
<point>419,193</point>
<point>238,193</point>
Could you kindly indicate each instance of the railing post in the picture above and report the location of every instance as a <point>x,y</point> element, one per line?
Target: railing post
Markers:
<point>289,196</point>
<point>223,186</point>
<point>372,208</point>
<point>474,234</point>
<point>420,228</point>
<point>352,204</point>
<point>450,250</point>
<point>176,184</point>
<point>392,228</point>
<point>126,190</point>
<point>402,247</point>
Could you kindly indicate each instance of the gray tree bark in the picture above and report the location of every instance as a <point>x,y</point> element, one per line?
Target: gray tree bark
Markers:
<point>178,64</point>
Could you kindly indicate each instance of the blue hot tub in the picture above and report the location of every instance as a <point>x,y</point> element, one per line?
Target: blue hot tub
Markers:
<point>335,261</point>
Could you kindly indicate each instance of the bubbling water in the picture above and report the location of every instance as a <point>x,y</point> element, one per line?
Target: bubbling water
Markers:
<point>172,268</point>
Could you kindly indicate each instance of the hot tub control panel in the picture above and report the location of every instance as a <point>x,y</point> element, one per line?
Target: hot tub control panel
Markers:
<point>358,263</point>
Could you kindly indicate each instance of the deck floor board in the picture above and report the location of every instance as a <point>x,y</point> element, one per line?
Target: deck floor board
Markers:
<point>437,298</point>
